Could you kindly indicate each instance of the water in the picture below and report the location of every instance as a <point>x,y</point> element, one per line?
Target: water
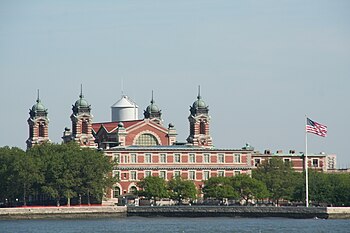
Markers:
<point>181,225</point>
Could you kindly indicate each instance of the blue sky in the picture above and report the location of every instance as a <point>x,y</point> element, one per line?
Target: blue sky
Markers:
<point>262,65</point>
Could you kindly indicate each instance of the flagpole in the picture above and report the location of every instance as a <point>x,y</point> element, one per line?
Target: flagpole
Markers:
<point>306,171</point>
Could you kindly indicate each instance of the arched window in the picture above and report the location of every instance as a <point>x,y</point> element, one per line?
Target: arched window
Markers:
<point>202,128</point>
<point>133,190</point>
<point>41,130</point>
<point>147,140</point>
<point>116,192</point>
<point>84,127</point>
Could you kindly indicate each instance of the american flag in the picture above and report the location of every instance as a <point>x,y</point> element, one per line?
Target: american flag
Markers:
<point>316,128</point>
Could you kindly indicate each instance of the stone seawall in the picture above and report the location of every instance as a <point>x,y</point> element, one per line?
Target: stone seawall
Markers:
<point>338,212</point>
<point>62,212</point>
<point>228,211</point>
<point>174,211</point>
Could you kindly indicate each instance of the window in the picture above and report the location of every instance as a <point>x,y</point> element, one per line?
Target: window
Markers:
<point>202,128</point>
<point>126,158</point>
<point>191,175</point>
<point>177,174</point>
<point>116,174</point>
<point>148,158</point>
<point>206,175</point>
<point>148,173</point>
<point>221,158</point>
<point>221,173</point>
<point>116,192</point>
<point>133,175</point>
<point>41,130</point>
<point>133,190</point>
<point>177,158</point>
<point>84,127</point>
<point>192,158</point>
<point>206,158</point>
<point>133,158</point>
<point>146,140</point>
<point>315,162</point>
<point>286,160</point>
<point>256,162</point>
<point>237,158</point>
<point>162,174</point>
<point>163,158</point>
<point>237,173</point>
<point>116,158</point>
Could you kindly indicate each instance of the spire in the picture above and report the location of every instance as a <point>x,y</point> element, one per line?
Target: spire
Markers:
<point>81,91</point>
<point>199,92</point>
<point>152,100</point>
<point>38,99</point>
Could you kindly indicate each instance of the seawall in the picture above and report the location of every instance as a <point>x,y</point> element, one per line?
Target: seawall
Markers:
<point>227,211</point>
<point>173,211</point>
<point>62,212</point>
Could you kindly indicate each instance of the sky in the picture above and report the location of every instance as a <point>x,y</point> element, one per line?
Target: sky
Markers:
<point>262,66</point>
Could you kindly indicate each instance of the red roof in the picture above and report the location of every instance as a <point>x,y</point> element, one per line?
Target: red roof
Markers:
<point>112,126</point>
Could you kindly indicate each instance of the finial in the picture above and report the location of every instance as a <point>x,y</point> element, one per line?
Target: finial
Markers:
<point>81,91</point>
<point>199,92</point>
<point>152,101</point>
<point>38,99</point>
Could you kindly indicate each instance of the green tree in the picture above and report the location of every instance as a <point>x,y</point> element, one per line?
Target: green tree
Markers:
<point>153,187</point>
<point>278,178</point>
<point>219,188</point>
<point>96,174</point>
<point>249,188</point>
<point>182,189</point>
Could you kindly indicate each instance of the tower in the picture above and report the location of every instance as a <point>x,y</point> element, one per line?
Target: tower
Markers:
<point>38,124</point>
<point>152,112</point>
<point>124,109</point>
<point>82,123</point>
<point>199,123</point>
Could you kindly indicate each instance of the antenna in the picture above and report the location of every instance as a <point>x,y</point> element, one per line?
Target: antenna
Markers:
<point>122,85</point>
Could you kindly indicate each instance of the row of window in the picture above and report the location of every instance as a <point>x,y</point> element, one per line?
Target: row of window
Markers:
<point>163,158</point>
<point>163,174</point>
<point>315,162</point>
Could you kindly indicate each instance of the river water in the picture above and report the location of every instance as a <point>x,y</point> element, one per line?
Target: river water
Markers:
<point>182,225</point>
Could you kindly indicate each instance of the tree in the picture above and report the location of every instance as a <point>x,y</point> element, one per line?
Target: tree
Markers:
<point>95,173</point>
<point>249,188</point>
<point>182,189</point>
<point>153,187</point>
<point>278,178</point>
<point>219,187</point>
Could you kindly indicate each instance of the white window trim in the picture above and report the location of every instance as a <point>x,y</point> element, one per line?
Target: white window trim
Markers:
<point>204,156</point>
<point>223,157</point>
<point>130,177</point>
<point>195,175</point>
<point>165,174</point>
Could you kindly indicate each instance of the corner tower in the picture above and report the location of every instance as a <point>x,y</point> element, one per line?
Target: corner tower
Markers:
<point>152,112</point>
<point>82,122</point>
<point>199,123</point>
<point>38,124</point>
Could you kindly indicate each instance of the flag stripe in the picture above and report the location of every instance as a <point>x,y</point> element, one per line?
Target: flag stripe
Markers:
<point>316,128</point>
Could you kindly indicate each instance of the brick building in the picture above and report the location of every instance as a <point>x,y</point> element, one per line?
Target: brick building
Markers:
<point>145,147</point>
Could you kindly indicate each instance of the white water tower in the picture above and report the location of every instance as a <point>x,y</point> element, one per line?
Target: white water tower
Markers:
<point>124,109</point>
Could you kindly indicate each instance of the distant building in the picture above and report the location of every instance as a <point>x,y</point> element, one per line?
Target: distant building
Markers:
<point>145,147</point>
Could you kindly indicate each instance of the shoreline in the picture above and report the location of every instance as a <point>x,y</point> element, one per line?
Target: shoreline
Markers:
<point>78,212</point>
